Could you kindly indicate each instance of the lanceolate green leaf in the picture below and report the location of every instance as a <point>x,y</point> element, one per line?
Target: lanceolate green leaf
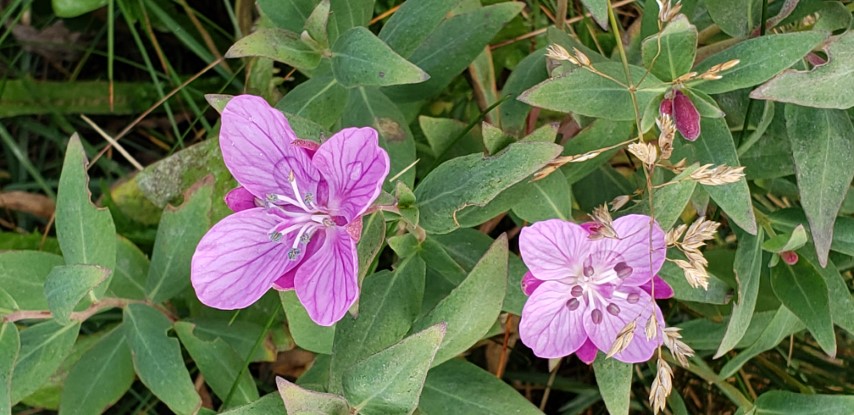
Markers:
<point>618,376</point>
<point>277,44</point>
<point>548,198</point>
<point>346,14</point>
<point>823,149</point>
<point>784,402</point>
<point>270,403</point>
<point>180,230</point>
<point>66,285</point>
<point>410,25</point>
<point>841,302</point>
<point>305,332</point>
<point>736,18</point>
<point>670,54</point>
<point>359,58</point>
<point>22,276</point>
<point>600,133</point>
<point>748,268</point>
<point>157,359</point>
<point>100,378</point>
<point>287,14</point>
<point>529,72</point>
<point>131,271</point>
<point>803,291</point>
<point>781,326</point>
<point>370,242</point>
<point>10,344</point>
<point>43,348</point>
<point>670,200</point>
<point>85,232</point>
<point>320,99</point>
<point>304,401</point>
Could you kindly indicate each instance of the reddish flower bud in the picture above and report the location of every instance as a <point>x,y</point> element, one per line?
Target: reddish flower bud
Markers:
<point>789,257</point>
<point>679,107</point>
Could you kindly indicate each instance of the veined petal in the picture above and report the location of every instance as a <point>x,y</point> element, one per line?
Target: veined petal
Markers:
<point>554,249</point>
<point>236,262</point>
<point>530,283</point>
<point>548,326</point>
<point>286,281</point>
<point>354,167</point>
<point>239,199</point>
<point>663,290</point>
<point>621,313</point>
<point>255,140</point>
<point>587,352</point>
<point>326,282</point>
<point>633,247</point>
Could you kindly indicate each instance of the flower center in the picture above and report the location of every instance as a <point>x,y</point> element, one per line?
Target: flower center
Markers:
<point>597,285</point>
<point>301,217</point>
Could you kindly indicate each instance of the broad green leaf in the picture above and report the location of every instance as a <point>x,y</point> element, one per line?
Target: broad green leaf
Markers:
<point>670,200</point>
<point>472,308</point>
<point>549,198</point>
<point>370,242</point>
<point>736,18</point>
<point>586,93</point>
<point>494,140</point>
<point>239,334</point>
<point>320,99</point>
<point>529,72</point>
<point>43,348</point>
<point>389,303</point>
<point>599,10</point>
<point>760,59</point>
<point>718,292</point>
<point>825,86</point>
<point>781,326</point>
<point>784,402</point>
<point>618,378</point>
<point>181,228</point>
<point>131,271</point>
<point>359,58</point>
<point>413,22</point>
<point>66,285</point>
<point>748,268</point>
<point>316,25</point>
<point>475,180</point>
<point>703,334</point>
<point>390,381</point>
<point>304,401</point>
<point>460,387</point>
<point>447,138</point>
<point>346,14</point>
<point>157,359</point>
<point>803,291</point>
<point>268,404</point>
<point>74,8</point>
<point>449,49</point>
<point>787,241</point>
<point>316,377</point>
<point>86,233</point>
<point>279,45</point>
<point>841,302</point>
<point>823,149</point>
<point>100,378</point>
<point>670,54</point>
<point>22,276</point>
<point>10,345</point>
<point>287,14</point>
<point>220,364</point>
<point>306,333</point>
<point>370,107</point>
<point>716,146</point>
<point>599,134</point>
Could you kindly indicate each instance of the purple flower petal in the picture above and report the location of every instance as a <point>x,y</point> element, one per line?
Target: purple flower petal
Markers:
<point>633,248</point>
<point>354,166</point>
<point>236,262</point>
<point>604,321</point>
<point>326,282</point>
<point>549,326</point>
<point>663,290</point>
<point>587,352</point>
<point>239,199</point>
<point>530,283</point>
<point>255,140</point>
<point>554,249</point>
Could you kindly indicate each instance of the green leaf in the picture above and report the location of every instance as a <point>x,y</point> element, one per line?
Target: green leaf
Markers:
<point>459,387</point>
<point>841,302</point>
<point>413,22</point>
<point>306,333</point>
<point>220,364</point>
<point>66,285</point>
<point>43,348</point>
<point>157,359</point>
<point>599,10</point>
<point>370,242</point>
<point>390,381</point>
<point>239,334</point>
<point>673,50</point>
<point>824,86</point>
<point>452,47</point>
<point>823,149</point>
<point>389,303</point>
<point>549,198</point>
<point>131,271</point>
<point>287,14</point>
<point>320,99</point>
<point>618,378</point>
<point>736,18</point>
<point>316,25</point>
<point>529,72</point>
<point>475,180</point>
<point>22,276</point>
<point>359,58</point>
<point>494,140</point>
<point>346,14</point>
<point>599,134</point>
<point>803,291</point>
<point>86,233</point>
<point>370,107</point>
<point>787,241</point>
<point>718,292</point>
<point>268,404</point>
<point>100,378</point>
<point>716,146</point>
<point>181,228</point>
<point>748,269</point>
<point>781,326</point>
<point>760,59</point>
<point>74,8</point>
<point>586,93</point>
<point>304,401</point>
<point>10,345</point>
<point>472,308</point>
<point>670,200</point>
<point>783,402</point>
<point>279,45</point>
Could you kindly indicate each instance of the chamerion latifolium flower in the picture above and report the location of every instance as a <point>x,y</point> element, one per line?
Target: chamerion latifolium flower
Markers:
<point>297,213</point>
<point>584,292</point>
<point>683,112</point>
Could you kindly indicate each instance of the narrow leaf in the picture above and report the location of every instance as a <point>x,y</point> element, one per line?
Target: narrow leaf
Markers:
<point>618,376</point>
<point>277,44</point>
<point>10,345</point>
<point>748,268</point>
<point>100,378</point>
<point>359,58</point>
<point>784,402</point>
<point>304,401</point>
<point>803,291</point>
<point>43,348</point>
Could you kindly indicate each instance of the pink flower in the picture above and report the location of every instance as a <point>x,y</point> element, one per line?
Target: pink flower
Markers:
<point>679,107</point>
<point>583,292</point>
<point>297,213</point>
